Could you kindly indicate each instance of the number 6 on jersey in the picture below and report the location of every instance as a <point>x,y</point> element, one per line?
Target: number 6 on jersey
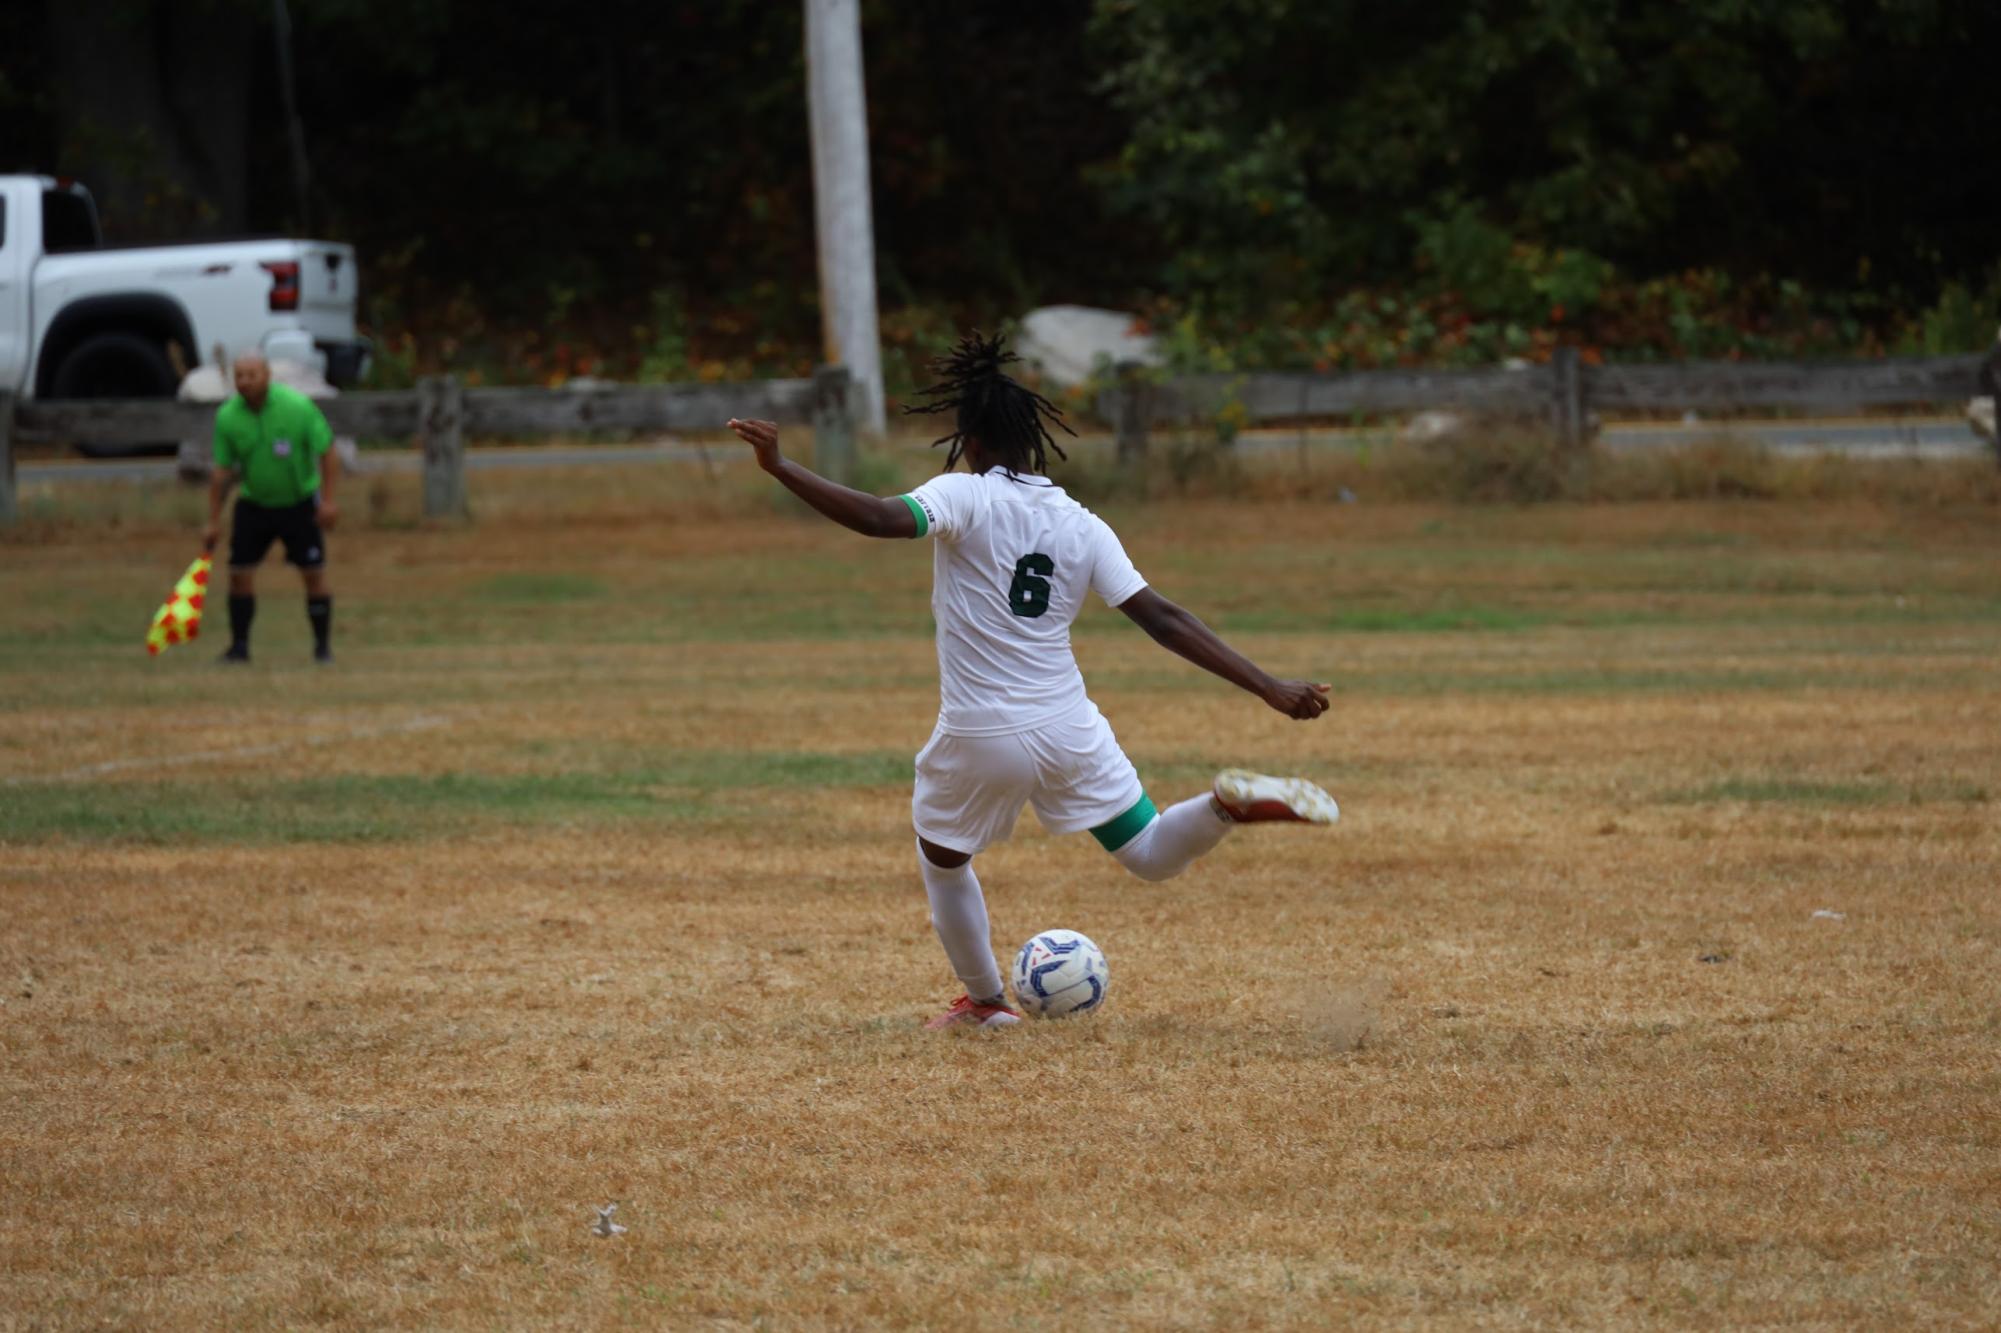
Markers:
<point>1028,595</point>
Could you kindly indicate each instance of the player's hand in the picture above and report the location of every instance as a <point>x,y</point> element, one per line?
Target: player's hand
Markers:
<point>210,535</point>
<point>329,513</point>
<point>761,436</point>
<point>1298,699</point>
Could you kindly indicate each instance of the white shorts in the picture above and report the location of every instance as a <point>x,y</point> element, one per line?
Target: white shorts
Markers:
<point>970,789</point>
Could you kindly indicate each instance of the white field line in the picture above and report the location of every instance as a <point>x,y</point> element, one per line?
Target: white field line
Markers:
<point>422,723</point>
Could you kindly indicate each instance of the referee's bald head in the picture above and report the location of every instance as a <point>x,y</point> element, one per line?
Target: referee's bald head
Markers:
<point>253,379</point>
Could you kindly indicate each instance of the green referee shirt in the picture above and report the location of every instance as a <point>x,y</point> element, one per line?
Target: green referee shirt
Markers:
<point>276,452</point>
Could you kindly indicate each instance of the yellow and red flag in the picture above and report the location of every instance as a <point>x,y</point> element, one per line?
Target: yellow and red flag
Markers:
<point>179,619</point>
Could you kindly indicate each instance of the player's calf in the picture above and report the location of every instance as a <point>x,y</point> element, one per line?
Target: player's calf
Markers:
<point>1172,840</point>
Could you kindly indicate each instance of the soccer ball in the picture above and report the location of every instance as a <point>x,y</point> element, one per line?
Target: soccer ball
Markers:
<point>1060,972</point>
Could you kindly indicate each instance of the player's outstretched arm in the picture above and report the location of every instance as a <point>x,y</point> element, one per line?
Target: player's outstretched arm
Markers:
<point>870,515</point>
<point>1178,631</point>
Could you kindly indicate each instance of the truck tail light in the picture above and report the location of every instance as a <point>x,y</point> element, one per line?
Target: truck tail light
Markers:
<point>284,283</point>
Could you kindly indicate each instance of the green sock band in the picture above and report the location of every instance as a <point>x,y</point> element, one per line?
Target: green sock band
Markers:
<point>1116,833</point>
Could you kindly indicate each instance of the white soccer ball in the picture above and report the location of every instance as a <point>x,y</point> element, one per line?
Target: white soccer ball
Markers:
<point>1060,972</point>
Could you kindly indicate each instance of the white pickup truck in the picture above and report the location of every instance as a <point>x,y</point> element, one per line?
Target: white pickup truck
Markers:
<point>79,319</point>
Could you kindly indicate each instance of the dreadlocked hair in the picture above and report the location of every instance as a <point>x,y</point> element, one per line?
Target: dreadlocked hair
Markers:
<point>1006,417</point>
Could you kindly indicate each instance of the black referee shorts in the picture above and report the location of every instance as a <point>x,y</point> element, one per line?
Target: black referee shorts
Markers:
<point>298,526</point>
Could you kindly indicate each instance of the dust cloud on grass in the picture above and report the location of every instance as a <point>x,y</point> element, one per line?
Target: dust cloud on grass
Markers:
<point>363,1033</point>
<point>1343,1014</point>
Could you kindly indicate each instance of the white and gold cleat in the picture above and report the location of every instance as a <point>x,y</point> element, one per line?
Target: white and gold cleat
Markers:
<point>1253,798</point>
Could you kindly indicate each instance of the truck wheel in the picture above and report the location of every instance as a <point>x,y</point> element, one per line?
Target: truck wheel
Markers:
<point>117,365</point>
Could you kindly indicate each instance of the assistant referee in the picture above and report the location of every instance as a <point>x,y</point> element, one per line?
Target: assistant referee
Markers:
<point>274,440</point>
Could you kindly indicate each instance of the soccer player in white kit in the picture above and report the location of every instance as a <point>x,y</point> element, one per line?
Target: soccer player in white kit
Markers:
<point>1014,560</point>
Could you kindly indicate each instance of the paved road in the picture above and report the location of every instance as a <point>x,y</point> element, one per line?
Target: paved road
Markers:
<point>1931,437</point>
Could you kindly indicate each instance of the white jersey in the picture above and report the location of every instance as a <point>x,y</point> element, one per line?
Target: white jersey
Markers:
<point>1014,559</point>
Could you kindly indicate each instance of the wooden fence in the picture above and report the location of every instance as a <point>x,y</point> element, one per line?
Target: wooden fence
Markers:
<point>1564,393</point>
<point>441,413</point>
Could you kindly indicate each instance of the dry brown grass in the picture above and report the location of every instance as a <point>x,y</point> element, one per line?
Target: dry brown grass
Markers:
<point>363,1045</point>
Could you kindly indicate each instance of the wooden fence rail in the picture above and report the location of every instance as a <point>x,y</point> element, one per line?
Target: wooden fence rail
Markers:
<point>441,413</point>
<point>1564,391</point>
<point>1721,386</point>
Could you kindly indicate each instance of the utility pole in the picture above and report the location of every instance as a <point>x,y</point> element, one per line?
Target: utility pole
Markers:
<point>841,211</point>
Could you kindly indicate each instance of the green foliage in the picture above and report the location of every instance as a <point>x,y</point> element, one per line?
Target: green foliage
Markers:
<point>393,365</point>
<point>1521,149</point>
<point>878,475</point>
<point>1475,258</point>
<point>665,359</point>
<point>1960,320</point>
<point>911,336</point>
<point>1276,182</point>
<point>1481,298</point>
<point>1481,268</point>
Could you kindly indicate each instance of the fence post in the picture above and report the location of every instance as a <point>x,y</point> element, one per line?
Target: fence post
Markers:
<point>1567,398</point>
<point>441,418</point>
<point>834,405</point>
<point>1132,412</point>
<point>10,509</point>
<point>1988,382</point>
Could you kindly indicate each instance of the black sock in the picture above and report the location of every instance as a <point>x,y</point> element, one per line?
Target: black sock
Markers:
<point>319,610</point>
<point>241,610</point>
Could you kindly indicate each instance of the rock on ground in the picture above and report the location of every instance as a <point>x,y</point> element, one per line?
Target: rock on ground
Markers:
<point>1069,344</point>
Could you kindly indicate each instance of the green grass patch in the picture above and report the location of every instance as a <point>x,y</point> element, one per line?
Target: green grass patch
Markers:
<point>347,808</point>
<point>1790,791</point>
<point>1806,791</point>
<point>1385,620</point>
<point>783,768</point>
<point>1171,678</point>
<point>389,807</point>
<point>1701,540</point>
<point>538,588</point>
<point>832,601</point>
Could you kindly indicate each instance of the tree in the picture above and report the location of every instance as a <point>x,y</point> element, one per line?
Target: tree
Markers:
<point>151,102</point>
<point>1279,141</point>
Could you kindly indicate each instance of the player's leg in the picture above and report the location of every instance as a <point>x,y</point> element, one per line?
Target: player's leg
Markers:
<point>250,536</point>
<point>1088,782</point>
<point>969,791</point>
<point>959,916</point>
<point>1168,845</point>
<point>1165,844</point>
<point>306,548</point>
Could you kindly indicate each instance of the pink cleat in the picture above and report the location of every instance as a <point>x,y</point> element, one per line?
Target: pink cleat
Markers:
<point>964,1013</point>
<point>1253,798</point>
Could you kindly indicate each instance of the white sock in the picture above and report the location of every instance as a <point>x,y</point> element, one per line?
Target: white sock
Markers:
<point>1170,844</point>
<point>959,915</point>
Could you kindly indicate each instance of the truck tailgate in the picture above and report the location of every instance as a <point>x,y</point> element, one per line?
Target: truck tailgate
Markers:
<point>328,279</point>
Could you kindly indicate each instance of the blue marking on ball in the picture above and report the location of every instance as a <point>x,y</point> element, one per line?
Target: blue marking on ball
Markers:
<point>1035,977</point>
